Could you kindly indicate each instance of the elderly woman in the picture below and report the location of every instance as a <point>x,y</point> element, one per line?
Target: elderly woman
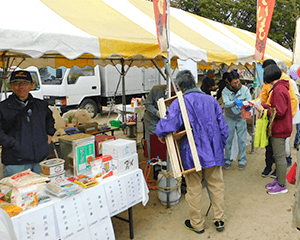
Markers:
<point>210,132</point>
<point>282,126</point>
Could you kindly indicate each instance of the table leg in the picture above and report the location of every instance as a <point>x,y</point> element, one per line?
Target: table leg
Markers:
<point>130,222</point>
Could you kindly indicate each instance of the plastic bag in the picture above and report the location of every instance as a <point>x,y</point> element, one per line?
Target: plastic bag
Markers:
<point>291,176</point>
<point>261,139</point>
<point>246,114</point>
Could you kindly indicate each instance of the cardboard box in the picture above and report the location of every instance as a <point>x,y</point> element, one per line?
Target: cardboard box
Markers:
<point>99,139</point>
<point>119,148</point>
<point>125,165</point>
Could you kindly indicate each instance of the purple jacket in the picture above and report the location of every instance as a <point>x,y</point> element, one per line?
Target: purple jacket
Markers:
<point>210,129</point>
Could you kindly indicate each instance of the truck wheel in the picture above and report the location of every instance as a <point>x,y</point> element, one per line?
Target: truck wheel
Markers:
<point>90,106</point>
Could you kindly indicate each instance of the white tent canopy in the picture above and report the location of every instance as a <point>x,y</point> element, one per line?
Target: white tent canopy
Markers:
<point>76,32</point>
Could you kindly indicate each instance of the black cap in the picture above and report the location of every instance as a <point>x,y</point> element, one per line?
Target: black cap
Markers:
<point>20,75</point>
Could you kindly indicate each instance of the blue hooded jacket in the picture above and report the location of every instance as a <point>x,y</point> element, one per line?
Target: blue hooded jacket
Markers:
<point>210,129</point>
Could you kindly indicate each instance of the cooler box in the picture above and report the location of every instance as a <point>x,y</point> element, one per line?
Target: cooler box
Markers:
<point>78,151</point>
<point>125,165</point>
<point>99,139</point>
<point>119,148</point>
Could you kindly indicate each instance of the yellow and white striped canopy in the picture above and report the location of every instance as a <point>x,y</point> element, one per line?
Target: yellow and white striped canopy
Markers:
<point>81,32</point>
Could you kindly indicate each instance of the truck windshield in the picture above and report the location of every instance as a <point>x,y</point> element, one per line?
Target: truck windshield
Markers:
<point>51,76</point>
<point>36,85</point>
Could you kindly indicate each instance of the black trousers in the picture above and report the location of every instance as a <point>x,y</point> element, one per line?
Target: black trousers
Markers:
<point>269,155</point>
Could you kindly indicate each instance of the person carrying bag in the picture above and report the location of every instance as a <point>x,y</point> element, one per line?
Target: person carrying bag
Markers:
<point>261,139</point>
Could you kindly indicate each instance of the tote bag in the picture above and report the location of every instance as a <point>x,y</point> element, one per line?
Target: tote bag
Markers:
<point>261,139</point>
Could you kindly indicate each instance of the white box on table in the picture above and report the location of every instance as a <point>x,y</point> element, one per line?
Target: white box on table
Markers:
<point>119,148</point>
<point>125,165</point>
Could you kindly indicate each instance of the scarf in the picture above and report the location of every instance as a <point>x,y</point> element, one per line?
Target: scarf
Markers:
<point>233,89</point>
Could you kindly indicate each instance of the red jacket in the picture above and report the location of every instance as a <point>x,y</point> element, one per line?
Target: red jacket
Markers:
<point>280,99</point>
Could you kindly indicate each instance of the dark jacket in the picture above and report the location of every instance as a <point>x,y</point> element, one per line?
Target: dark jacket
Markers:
<point>280,99</point>
<point>24,134</point>
<point>207,84</point>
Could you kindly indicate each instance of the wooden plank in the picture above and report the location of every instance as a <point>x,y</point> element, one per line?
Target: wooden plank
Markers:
<point>179,157</point>
<point>168,101</point>
<point>189,171</point>
<point>170,142</point>
<point>179,134</point>
<point>189,133</point>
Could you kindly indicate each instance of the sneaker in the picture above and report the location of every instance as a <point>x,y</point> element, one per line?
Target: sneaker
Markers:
<point>272,184</point>
<point>188,225</point>
<point>226,166</point>
<point>242,166</point>
<point>219,226</point>
<point>273,174</point>
<point>278,189</point>
<point>267,172</point>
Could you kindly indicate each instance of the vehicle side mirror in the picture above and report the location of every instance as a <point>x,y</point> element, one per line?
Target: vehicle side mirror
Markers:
<point>58,73</point>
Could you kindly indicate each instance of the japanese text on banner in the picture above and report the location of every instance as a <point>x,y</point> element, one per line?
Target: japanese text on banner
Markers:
<point>265,10</point>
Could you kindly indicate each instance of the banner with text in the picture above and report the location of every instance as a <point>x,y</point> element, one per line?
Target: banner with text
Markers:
<point>160,11</point>
<point>265,10</point>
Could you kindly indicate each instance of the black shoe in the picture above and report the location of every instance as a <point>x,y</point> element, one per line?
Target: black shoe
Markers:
<point>219,226</point>
<point>267,172</point>
<point>188,225</point>
<point>273,175</point>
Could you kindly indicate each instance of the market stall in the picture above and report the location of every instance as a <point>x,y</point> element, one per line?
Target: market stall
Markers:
<point>111,32</point>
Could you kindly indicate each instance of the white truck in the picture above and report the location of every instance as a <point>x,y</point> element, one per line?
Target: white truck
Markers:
<point>89,87</point>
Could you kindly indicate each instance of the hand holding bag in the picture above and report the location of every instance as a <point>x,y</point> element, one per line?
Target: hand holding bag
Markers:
<point>261,140</point>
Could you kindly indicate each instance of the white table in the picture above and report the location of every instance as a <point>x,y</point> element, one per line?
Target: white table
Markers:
<point>86,215</point>
<point>139,111</point>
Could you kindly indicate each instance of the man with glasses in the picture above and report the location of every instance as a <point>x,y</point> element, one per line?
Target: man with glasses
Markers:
<point>26,127</point>
<point>233,91</point>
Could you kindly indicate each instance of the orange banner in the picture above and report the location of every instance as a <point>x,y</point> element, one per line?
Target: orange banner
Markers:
<point>265,10</point>
<point>160,11</point>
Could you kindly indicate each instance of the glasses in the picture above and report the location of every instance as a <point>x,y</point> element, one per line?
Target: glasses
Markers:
<point>20,83</point>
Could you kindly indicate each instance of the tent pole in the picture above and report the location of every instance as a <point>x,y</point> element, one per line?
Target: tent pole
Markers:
<point>254,112</point>
<point>123,95</point>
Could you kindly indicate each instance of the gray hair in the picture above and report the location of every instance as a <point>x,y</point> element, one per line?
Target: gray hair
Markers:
<point>185,80</point>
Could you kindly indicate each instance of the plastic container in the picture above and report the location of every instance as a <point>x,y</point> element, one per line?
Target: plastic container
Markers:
<point>55,177</point>
<point>52,166</point>
<point>174,196</point>
<point>115,123</point>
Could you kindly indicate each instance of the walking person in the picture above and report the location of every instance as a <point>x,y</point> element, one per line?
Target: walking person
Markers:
<point>210,132</point>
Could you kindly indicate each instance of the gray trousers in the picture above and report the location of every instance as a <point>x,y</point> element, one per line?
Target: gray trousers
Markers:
<point>278,145</point>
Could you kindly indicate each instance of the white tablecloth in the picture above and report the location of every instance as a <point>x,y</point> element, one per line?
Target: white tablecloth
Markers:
<point>86,215</point>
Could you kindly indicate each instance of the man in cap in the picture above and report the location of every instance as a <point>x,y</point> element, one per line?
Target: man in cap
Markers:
<point>208,83</point>
<point>26,127</point>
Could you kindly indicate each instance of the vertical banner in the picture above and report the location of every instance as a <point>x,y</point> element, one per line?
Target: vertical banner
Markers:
<point>160,11</point>
<point>265,10</point>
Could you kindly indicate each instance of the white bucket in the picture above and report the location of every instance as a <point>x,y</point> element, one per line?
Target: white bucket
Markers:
<point>174,196</point>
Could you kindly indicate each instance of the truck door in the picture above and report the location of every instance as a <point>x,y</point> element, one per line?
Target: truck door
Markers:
<point>82,83</point>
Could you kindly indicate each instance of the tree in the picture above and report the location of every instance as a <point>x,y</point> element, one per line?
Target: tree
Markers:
<point>242,14</point>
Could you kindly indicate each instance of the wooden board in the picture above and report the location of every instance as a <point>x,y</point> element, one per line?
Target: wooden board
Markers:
<point>189,132</point>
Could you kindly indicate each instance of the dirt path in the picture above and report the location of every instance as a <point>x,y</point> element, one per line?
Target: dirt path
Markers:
<point>250,212</point>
